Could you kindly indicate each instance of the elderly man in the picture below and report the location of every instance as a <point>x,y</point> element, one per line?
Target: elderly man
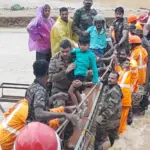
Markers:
<point>107,122</point>
<point>83,17</point>
<point>62,30</point>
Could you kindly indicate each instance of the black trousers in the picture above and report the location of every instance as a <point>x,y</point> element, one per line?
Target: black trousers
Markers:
<point>43,56</point>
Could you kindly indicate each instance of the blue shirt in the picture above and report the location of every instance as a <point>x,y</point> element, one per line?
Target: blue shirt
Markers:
<point>97,41</point>
<point>83,61</point>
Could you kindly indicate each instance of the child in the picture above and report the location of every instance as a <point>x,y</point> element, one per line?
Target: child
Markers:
<point>84,58</point>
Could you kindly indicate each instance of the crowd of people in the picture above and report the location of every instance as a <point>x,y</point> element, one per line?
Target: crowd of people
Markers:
<point>72,54</point>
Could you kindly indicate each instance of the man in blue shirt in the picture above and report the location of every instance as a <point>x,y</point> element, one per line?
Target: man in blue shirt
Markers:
<point>98,36</point>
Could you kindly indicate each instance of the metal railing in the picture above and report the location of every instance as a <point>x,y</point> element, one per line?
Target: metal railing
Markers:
<point>11,98</point>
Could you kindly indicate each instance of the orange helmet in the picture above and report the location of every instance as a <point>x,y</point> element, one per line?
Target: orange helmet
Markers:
<point>37,136</point>
<point>143,18</point>
<point>132,18</point>
<point>134,39</point>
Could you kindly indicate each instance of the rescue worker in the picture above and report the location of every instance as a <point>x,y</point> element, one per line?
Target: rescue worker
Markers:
<point>133,19</point>
<point>37,136</point>
<point>15,120</point>
<point>83,18</point>
<point>61,30</point>
<point>107,122</point>
<point>146,45</point>
<point>121,57</point>
<point>141,56</point>
<point>60,69</point>
<point>119,29</point>
<point>39,103</point>
<point>128,82</point>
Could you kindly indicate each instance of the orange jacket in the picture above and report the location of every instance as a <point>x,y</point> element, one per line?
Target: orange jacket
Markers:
<point>14,121</point>
<point>128,82</point>
<point>141,56</point>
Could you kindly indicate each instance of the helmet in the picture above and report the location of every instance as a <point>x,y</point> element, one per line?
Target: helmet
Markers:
<point>132,18</point>
<point>37,136</point>
<point>134,39</point>
<point>143,18</point>
<point>98,18</point>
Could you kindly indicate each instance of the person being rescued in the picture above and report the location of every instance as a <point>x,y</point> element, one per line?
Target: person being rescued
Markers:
<point>34,107</point>
<point>84,58</point>
<point>128,82</point>
<point>99,39</point>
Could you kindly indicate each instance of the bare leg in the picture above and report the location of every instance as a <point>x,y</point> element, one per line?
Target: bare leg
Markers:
<point>72,95</point>
<point>78,95</point>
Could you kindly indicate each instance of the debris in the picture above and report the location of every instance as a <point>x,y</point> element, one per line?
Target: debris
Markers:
<point>16,7</point>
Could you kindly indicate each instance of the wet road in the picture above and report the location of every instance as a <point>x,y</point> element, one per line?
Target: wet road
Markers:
<point>16,66</point>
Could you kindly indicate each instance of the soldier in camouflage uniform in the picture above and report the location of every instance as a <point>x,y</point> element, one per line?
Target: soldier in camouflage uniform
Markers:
<point>109,118</point>
<point>61,71</point>
<point>39,102</point>
<point>83,18</point>
<point>120,29</point>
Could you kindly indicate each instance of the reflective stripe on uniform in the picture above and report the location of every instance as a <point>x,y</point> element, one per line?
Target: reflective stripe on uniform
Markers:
<point>8,119</point>
<point>0,147</point>
<point>122,85</point>
<point>141,63</point>
<point>142,66</point>
<point>134,71</point>
<point>125,86</point>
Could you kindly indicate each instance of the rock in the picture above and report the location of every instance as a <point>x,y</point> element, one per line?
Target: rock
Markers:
<point>17,7</point>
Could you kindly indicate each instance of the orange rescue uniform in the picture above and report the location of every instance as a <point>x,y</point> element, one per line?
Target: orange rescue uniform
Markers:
<point>15,120</point>
<point>141,56</point>
<point>128,83</point>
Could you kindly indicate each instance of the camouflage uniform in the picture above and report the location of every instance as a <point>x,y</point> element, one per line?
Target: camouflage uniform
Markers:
<point>119,26</point>
<point>57,75</point>
<point>38,97</point>
<point>83,19</point>
<point>110,114</point>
